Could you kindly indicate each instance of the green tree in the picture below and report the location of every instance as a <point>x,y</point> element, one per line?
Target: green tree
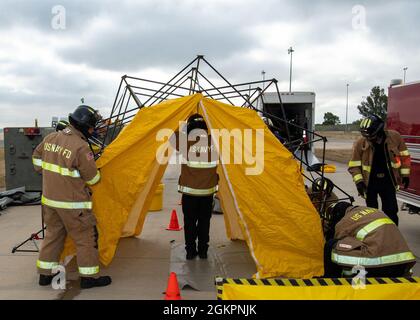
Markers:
<point>330,119</point>
<point>375,103</point>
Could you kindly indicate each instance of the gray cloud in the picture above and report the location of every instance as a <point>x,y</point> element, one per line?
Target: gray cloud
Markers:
<point>106,39</point>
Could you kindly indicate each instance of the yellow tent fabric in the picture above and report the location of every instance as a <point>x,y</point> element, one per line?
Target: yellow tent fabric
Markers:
<point>269,210</point>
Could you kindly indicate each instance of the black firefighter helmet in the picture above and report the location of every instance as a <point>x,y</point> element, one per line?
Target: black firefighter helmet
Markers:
<point>61,125</point>
<point>84,118</point>
<point>196,121</point>
<point>323,184</point>
<point>372,127</point>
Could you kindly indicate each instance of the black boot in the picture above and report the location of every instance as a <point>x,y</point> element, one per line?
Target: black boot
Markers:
<point>191,254</point>
<point>191,250</point>
<point>202,254</point>
<point>45,280</point>
<point>202,250</point>
<point>88,282</point>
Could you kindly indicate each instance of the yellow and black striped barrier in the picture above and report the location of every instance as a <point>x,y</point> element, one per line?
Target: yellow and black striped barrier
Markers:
<point>407,288</point>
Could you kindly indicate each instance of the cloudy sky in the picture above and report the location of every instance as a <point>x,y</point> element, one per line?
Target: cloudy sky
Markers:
<point>46,66</point>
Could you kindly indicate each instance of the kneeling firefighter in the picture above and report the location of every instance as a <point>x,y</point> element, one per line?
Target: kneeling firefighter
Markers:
<point>198,183</point>
<point>68,168</point>
<point>363,236</point>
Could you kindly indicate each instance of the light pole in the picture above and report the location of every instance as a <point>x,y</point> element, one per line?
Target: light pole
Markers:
<point>347,105</point>
<point>405,70</point>
<point>263,77</point>
<point>290,51</point>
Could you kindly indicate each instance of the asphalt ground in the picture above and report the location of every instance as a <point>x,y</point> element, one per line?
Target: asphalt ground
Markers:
<point>141,266</point>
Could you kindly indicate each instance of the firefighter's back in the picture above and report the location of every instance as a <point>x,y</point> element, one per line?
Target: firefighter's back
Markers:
<point>60,156</point>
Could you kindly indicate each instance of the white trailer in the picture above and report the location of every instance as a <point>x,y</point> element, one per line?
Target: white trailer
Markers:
<point>299,107</point>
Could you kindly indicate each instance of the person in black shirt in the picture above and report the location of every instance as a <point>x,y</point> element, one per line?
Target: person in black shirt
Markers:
<point>381,182</point>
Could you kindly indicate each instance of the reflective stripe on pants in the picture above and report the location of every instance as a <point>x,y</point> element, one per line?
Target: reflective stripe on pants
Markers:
<point>405,171</point>
<point>358,177</point>
<point>202,164</point>
<point>200,192</point>
<point>366,168</point>
<point>404,153</point>
<point>66,205</point>
<point>46,265</point>
<point>355,164</point>
<point>379,261</point>
<point>88,271</point>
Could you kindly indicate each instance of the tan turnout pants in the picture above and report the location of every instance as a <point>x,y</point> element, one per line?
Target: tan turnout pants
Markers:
<point>80,225</point>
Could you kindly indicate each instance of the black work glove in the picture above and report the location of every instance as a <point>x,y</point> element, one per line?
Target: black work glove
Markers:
<point>361,189</point>
<point>406,182</point>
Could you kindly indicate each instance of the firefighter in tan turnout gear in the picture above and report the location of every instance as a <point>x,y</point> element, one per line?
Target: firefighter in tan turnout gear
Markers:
<point>198,183</point>
<point>363,236</point>
<point>380,163</point>
<point>68,168</point>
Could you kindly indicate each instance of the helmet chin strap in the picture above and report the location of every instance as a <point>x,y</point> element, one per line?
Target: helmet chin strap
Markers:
<point>378,137</point>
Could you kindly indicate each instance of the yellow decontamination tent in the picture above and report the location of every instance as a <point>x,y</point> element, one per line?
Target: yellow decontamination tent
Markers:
<point>269,209</point>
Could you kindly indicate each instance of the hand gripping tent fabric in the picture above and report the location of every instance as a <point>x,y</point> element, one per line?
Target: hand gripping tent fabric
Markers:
<point>269,209</point>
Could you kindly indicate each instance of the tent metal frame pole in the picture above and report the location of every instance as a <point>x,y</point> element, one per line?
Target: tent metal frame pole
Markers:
<point>112,110</point>
<point>136,100</point>
<point>152,90</point>
<point>224,95</point>
<point>149,95</point>
<point>174,77</point>
<point>242,84</point>
<point>195,72</point>
<point>175,87</point>
<point>143,94</point>
<point>214,87</point>
<point>191,82</point>
<point>221,76</point>
<point>201,89</point>
<point>261,93</point>
<point>249,98</point>
<point>155,82</point>
<point>143,105</point>
<point>126,105</point>
<point>282,108</point>
<point>119,112</point>
<point>214,95</point>
<point>120,103</point>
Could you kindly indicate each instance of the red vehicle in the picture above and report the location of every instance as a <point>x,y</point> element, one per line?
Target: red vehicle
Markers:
<point>404,117</point>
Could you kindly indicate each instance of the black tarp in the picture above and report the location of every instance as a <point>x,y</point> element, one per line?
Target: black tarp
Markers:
<point>18,197</point>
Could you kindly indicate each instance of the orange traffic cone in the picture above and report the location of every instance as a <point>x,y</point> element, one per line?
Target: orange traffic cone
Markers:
<point>172,290</point>
<point>173,224</point>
